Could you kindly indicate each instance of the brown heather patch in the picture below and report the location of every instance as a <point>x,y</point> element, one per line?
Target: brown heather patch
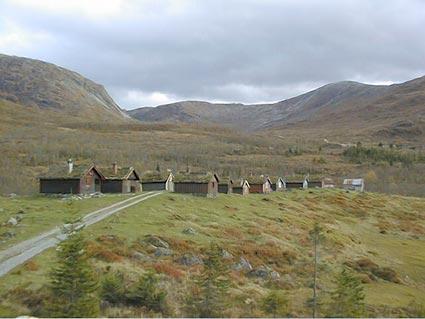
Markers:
<point>101,252</point>
<point>180,245</point>
<point>170,269</point>
<point>270,253</point>
<point>233,233</point>
<point>411,227</point>
<point>31,265</point>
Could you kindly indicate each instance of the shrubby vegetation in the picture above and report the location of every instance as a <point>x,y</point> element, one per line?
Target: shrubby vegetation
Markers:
<point>360,154</point>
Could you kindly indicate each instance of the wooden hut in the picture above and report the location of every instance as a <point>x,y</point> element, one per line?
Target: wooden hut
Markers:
<point>294,185</point>
<point>314,184</point>
<point>120,180</point>
<point>197,184</point>
<point>355,184</point>
<point>155,181</point>
<point>260,185</point>
<point>225,186</point>
<point>241,188</point>
<point>279,185</point>
<point>71,179</point>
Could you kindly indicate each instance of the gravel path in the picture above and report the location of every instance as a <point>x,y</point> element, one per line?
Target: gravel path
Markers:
<point>19,253</point>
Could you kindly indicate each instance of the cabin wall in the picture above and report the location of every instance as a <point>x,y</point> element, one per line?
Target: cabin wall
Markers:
<point>267,188</point>
<point>256,188</point>
<point>60,186</point>
<point>212,188</point>
<point>153,186</point>
<point>294,185</point>
<point>112,186</point>
<point>223,188</point>
<point>315,184</point>
<point>133,186</point>
<point>191,188</point>
<point>169,185</point>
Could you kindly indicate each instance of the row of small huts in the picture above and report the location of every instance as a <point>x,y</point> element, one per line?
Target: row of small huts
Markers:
<point>81,179</point>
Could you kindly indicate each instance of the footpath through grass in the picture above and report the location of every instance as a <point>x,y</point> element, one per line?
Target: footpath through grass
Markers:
<point>42,213</point>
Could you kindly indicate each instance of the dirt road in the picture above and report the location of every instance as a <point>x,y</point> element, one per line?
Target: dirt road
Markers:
<point>19,253</point>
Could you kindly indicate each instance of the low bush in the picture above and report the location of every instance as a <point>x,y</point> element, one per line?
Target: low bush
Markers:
<point>169,269</point>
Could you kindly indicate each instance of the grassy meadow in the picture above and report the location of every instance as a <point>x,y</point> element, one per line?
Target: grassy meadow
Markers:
<point>381,238</point>
<point>42,213</point>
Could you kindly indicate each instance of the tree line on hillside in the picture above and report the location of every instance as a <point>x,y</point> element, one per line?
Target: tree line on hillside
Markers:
<point>360,154</point>
<point>76,290</point>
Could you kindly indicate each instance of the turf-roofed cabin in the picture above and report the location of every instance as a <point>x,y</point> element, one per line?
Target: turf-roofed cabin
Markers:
<point>314,184</point>
<point>296,183</point>
<point>155,181</point>
<point>279,184</point>
<point>260,185</point>
<point>120,180</point>
<point>197,184</point>
<point>225,186</point>
<point>241,187</point>
<point>72,179</point>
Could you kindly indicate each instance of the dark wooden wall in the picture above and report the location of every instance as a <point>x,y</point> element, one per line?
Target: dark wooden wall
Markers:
<point>112,186</point>
<point>191,188</point>
<point>60,186</point>
<point>153,186</point>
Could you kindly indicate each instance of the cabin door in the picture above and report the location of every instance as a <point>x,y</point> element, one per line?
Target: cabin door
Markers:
<point>96,185</point>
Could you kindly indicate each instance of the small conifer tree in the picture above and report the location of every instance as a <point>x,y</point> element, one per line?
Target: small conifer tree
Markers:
<point>112,288</point>
<point>73,283</point>
<point>147,294</point>
<point>275,304</point>
<point>212,286</point>
<point>348,296</point>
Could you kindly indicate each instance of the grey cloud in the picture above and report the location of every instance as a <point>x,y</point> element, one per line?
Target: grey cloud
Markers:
<point>246,51</point>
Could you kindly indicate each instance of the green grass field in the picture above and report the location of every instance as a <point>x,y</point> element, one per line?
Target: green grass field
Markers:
<point>272,230</point>
<point>41,213</point>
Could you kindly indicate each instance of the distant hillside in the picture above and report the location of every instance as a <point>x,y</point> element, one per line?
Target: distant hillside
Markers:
<point>385,111</point>
<point>35,83</point>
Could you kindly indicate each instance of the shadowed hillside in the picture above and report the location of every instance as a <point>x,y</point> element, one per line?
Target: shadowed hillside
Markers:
<point>395,111</point>
<point>35,83</point>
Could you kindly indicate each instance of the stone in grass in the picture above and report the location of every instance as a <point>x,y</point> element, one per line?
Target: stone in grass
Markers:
<point>265,272</point>
<point>12,221</point>
<point>7,235</point>
<point>225,254</point>
<point>190,260</point>
<point>141,256</point>
<point>162,252</point>
<point>243,264</point>
<point>156,241</point>
<point>189,231</point>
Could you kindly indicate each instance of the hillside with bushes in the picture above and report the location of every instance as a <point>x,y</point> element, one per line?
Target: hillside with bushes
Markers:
<point>262,247</point>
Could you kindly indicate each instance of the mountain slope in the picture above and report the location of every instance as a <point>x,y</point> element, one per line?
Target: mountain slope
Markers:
<point>333,106</point>
<point>35,83</point>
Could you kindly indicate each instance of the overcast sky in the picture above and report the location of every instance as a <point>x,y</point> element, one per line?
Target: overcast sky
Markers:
<point>154,52</point>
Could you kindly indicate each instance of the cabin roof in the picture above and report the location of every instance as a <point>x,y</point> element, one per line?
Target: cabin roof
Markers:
<point>258,179</point>
<point>151,176</point>
<point>78,171</point>
<point>195,178</point>
<point>238,183</point>
<point>274,179</point>
<point>122,172</point>
<point>227,180</point>
<point>353,181</point>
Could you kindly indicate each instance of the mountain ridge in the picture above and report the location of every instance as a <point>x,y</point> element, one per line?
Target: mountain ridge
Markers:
<point>349,102</point>
<point>36,83</point>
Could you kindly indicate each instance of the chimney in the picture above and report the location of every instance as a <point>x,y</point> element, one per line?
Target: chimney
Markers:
<point>115,168</point>
<point>70,166</point>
